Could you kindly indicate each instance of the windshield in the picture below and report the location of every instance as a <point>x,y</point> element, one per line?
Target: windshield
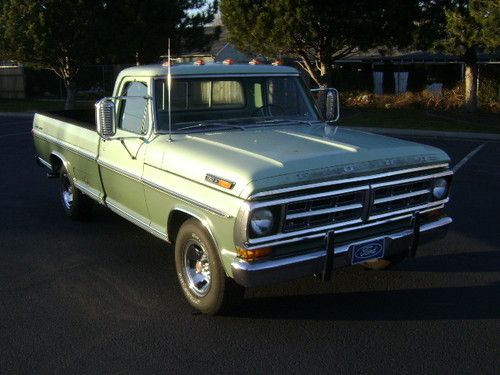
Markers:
<point>232,102</point>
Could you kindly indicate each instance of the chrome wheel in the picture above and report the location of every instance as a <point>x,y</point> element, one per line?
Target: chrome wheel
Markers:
<point>197,268</point>
<point>76,204</point>
<point>200,272</point>
<point>67,192</point>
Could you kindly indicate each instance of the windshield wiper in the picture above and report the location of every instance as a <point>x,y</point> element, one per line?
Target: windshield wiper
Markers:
<point>277,121</point>
<point>211,125</point>
<point>310,122</point>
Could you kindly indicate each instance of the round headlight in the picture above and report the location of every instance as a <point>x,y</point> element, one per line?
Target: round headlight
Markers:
<point>440,188</point>
<point>262,221</point>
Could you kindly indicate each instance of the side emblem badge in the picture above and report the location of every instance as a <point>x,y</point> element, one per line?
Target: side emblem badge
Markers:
<point>219,181</point>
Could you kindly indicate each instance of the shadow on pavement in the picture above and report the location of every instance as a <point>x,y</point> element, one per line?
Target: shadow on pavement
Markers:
<point>481,261</point>
<point>462,303</point>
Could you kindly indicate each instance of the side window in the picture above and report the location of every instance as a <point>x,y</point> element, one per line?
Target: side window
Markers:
<point>134,116</point>
<point>287,95</point>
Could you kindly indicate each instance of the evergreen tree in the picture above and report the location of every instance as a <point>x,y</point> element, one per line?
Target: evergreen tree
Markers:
<point>462,28</point>
<point>470,27</point>
<point>63,35</point>
<point>317,32</point>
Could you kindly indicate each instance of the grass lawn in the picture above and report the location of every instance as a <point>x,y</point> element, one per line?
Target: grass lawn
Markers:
<point>421,120</point>
<point>366,117</point>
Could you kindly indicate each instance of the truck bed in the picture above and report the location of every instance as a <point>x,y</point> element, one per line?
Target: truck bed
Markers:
<point>70,138</point>
<point>84,118</point>
<point>70,132</point>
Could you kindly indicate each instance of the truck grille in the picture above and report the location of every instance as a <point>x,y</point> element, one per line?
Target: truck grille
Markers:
<point>387,199</point>
<point>349,205</point>
<point>359,204</point>
<point>330,209</point>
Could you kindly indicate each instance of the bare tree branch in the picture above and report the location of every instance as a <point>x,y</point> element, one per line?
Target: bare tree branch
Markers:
<point>308,68</point>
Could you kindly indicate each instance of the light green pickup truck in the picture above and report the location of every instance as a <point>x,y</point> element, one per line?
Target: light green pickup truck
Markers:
<point>236,167</point>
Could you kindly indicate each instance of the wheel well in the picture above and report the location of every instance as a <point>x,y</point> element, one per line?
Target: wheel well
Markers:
<point>56,163</point>
<point>175,221</point>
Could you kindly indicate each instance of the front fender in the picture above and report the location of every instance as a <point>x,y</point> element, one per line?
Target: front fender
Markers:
<point>220,229</point>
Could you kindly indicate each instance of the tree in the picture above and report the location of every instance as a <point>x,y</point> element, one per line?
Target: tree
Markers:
<point>318,33</point>
<point>143,27</point>
<point>64,35</point>
<point>51,34</point>
<point>464,28</point>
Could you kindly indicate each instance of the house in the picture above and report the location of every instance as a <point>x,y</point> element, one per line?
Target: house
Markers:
<point>12,81</point>
<point>409,71</point>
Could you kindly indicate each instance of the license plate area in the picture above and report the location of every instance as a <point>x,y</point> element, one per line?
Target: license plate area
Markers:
<point>368,250</point>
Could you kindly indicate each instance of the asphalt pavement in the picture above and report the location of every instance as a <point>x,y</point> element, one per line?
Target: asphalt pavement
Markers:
<point>101,296</point>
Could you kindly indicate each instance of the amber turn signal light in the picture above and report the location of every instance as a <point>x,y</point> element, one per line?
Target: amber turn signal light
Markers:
<point>251,255</point>
<point>433,215</point>
<point>225,184</point>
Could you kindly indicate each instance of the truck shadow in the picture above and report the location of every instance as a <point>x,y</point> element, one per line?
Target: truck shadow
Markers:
<point>463,303</point>
<point>478,261</point>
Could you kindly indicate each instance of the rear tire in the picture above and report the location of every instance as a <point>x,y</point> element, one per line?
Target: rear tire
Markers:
<point>76,205</point>
<point>200,272</point>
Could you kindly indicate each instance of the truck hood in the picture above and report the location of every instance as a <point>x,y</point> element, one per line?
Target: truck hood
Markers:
<point>256,160</point>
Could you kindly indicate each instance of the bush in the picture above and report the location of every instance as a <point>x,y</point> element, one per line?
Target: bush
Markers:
<point>450,99</point>
<point>489,92</point>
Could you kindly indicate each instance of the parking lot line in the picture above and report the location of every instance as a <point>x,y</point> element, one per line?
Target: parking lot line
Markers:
<point>462,162</point>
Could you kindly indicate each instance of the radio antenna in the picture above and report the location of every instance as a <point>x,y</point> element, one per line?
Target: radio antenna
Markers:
<point>169,89</point>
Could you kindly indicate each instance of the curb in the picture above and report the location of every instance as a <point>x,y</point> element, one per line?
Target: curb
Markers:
<point>18,114</point>
<point>431,133</point>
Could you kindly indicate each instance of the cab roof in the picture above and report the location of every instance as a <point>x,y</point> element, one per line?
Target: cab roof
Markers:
<point>158,70</point>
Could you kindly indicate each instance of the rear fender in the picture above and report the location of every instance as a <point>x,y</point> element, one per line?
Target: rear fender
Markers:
<point>57,160</point>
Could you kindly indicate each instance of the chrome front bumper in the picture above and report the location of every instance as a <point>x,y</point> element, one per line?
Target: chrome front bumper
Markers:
<point>289,268</point>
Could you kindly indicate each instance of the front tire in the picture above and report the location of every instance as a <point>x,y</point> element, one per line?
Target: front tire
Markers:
<point>200,272</point>
<point>76,205</point>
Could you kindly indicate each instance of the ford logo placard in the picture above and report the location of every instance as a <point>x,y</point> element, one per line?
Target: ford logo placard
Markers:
<point>367,251</point>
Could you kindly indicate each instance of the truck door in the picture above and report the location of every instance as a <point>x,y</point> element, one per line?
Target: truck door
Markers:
<point>121,159</point>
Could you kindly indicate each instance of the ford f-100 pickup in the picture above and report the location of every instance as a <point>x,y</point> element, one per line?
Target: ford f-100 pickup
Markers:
<point>236,166</point>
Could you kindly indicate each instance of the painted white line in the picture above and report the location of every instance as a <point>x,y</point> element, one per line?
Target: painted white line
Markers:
<point>462,162</point>
<point>13,134</point>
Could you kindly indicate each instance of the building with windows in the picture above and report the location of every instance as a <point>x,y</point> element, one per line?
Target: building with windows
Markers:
<point>12,81</point>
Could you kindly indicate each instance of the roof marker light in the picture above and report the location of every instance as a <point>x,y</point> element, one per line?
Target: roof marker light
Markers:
<point>278,62</point>
<point>167,63</point>
<point>199,62</point>
<point>254,62</point>
<point>228,62</point>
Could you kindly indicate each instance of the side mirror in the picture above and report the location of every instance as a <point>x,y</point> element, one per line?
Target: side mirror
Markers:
<point>105,117</point>
<point>328,101</point>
